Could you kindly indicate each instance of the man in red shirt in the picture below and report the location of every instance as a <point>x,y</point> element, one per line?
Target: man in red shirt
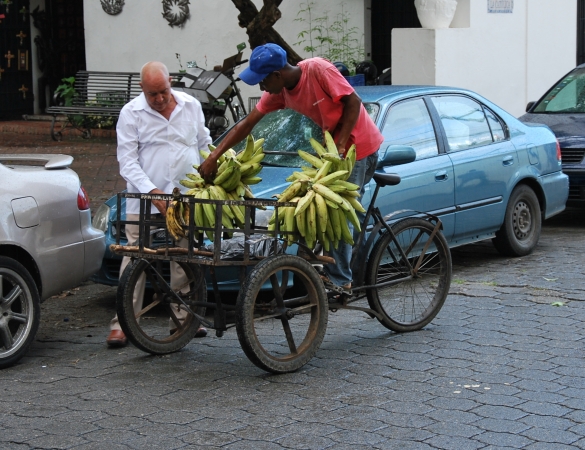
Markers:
<point>316,89</point>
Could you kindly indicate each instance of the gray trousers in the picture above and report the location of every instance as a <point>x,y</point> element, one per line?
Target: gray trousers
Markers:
<point>178,278</point>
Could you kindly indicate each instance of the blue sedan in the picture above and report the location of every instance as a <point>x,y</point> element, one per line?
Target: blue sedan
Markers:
<point>483,172</point>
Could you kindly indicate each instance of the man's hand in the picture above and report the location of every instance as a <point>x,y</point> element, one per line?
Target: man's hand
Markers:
<point>341,150</point>
<point>208,168</point>
<point>161,205</point>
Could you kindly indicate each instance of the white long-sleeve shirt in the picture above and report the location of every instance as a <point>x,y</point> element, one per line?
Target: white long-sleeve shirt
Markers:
<point>154,152</point>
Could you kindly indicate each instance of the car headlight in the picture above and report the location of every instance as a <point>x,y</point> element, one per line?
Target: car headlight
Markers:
<point>101,217</point>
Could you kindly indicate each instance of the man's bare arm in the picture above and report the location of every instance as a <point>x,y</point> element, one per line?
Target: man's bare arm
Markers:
<point>238,133</point>
<point>351,112</point>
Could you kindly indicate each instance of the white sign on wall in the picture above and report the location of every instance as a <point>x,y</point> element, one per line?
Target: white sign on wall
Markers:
<point>500,6</point>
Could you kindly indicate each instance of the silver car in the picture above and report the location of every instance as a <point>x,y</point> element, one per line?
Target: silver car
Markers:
<point>47,243</point>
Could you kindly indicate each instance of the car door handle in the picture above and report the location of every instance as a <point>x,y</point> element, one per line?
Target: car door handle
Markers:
<point>508,161</point>
<point>441,176</point>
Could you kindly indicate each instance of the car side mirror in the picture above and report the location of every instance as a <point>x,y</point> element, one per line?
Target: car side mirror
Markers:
<point>396,155</point>
<point>529,106</point>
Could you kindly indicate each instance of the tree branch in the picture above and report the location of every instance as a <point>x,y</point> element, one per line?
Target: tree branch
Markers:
<point>259,25</point>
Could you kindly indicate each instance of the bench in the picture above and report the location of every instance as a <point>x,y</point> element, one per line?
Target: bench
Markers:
<point>99,96</point>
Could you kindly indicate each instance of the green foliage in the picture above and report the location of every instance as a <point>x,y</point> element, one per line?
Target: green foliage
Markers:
<point>66,90</point>
<point>330,37</point>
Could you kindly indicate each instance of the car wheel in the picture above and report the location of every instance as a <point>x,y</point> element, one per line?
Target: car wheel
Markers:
<point>19,311</point>
<point>520,231</point>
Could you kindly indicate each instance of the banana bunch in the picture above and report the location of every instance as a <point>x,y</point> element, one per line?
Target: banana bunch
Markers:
<point>325,201</point>
<point>235,172</point>
<point>177,216</point>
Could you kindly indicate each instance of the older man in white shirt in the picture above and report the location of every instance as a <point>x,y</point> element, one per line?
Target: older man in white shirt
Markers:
<point>159,134</point>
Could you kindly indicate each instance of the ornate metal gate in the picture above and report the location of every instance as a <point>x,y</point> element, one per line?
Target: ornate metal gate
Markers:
<point>16,94</point>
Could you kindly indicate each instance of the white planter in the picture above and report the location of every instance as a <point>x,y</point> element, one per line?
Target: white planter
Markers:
<point>435,13</point>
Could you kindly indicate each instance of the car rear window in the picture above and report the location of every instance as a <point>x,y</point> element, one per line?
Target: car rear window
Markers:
<point>568,96</point>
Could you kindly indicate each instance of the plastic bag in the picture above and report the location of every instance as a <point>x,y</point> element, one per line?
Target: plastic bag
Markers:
<point>260,246</point>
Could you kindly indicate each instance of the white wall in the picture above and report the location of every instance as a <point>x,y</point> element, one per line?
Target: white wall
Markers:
<point>139,33</point>
<point>508,58</point>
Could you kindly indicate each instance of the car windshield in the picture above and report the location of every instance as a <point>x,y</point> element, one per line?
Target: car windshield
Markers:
<point>285,132</point>
<point>568,96</point>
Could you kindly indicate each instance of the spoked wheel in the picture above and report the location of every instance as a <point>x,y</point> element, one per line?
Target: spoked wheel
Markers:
<point>19,311</point>
<point>157,327</point>
<point>418,286</point>
<point>280,329</point>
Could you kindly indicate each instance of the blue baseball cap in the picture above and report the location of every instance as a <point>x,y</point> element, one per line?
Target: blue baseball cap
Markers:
<point>264,60</point>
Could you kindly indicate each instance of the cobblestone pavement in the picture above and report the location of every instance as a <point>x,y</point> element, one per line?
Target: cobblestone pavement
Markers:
<point>500,367</point>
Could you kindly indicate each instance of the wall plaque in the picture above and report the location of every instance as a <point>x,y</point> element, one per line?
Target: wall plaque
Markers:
<point>500,6</point>
<point>112,7</point>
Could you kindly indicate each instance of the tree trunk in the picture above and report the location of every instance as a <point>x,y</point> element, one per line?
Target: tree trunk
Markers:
<point>258,25</point>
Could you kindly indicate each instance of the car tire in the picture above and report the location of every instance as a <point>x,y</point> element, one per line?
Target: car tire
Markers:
<point>20,311</point>
<point>520,231</point>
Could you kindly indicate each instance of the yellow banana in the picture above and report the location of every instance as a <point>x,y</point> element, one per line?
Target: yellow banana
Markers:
<point>329,179</point>
<point>198,214</point>
<point>256,158</point>
<point>290,192</point>
<point>304,202</point>
<point>258,145</point>
<point>311,159</point>
<point>192,191</point>
<point>345,232</point>
<point>192,184</point>
<point>332,157</point>
<point>322,216</point>
<point>335,223</point>
<point>218,193</point>
<point>249,169</point>
<point>194,176</point>
<point>311,228</point>
<point>330,144</point>
<point>323,171</point>
<point>251,180</point>
<point>319,149</point>
<point>327,193</point>
<point>329,229</point>
<point>301,223</point>
<point>353,194</point>
<point>208,209</point>
<point>331,204</point>
<point>352,217</point>
<point>231,183</point>
<point>299,176</point>
<point>325,241</point>
<point>290,222</point>
<point>225,175</point>
<point>354,203</point>
<point>349,186</point>
<point>248,151</point>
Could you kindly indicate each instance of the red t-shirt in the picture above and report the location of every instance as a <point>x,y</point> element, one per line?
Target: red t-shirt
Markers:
<point>318,96</point>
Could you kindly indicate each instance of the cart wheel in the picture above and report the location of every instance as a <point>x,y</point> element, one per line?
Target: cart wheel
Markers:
<point>280,329</point>
<point>149,327</point>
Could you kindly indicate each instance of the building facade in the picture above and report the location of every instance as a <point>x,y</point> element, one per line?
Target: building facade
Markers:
<point>507,50</point>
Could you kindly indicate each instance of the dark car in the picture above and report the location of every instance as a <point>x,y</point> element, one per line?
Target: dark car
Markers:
<point>562,108</point>
<point>484,173</point>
